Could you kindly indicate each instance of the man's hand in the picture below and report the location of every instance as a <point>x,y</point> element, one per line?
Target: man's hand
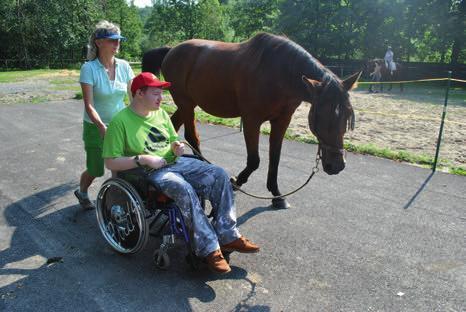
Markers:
<point>155,162</point>
<point>178,148</point>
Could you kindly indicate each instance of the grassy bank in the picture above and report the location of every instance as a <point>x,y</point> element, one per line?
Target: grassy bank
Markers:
<point>21,75</point>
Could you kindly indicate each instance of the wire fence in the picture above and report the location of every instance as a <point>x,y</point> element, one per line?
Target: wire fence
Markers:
<point>416,119</point>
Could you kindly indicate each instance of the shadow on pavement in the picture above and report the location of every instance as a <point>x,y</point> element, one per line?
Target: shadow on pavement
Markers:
<point>418,192</point>
<point>254,212</point>
<point>56,257</point>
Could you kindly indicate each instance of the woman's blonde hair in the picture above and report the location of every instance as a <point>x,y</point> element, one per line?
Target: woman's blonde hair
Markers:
<point>101,27</point>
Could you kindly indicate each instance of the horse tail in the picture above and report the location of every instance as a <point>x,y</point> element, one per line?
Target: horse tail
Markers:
<point>152,60</point>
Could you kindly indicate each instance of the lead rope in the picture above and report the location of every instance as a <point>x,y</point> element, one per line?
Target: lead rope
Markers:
<point>315,169</point>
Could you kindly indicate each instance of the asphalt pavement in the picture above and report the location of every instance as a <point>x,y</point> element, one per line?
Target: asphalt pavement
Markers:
<point>379,236</point>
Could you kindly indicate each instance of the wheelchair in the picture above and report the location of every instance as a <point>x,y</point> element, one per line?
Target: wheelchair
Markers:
<point>128,207</point>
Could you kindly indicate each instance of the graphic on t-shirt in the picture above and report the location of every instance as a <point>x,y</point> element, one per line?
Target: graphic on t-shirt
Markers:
<point>155,140</point>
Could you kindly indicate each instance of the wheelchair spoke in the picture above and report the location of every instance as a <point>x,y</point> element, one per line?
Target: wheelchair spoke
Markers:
<point>111,229</point>
<point>130,225</point>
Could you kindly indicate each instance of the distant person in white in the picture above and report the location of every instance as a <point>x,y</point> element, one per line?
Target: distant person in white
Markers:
<point>389,63</point>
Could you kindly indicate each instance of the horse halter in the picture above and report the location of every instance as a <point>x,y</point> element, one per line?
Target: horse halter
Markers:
<point>322,144</point>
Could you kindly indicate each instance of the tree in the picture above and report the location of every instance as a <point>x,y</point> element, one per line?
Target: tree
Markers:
<point>250,16</point>
<point>45,32</point>
<point>128,19</point>
<point>459,31</point>
<point>172,21</point>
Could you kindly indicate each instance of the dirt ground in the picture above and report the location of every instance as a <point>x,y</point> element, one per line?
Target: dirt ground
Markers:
<point>406,121</point>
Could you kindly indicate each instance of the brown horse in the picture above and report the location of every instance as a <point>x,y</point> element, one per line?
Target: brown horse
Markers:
<point>387,75</point>
<point>263,79</point>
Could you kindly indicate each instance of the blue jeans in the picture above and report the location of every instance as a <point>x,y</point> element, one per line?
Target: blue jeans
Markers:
<point>186,178</point>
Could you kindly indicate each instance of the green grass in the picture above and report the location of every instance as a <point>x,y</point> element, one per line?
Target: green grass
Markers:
<point>458,171</point>
<point>39,99</point>
<point>136,68</point>
<point>20,75</point>
<point>405,156</point>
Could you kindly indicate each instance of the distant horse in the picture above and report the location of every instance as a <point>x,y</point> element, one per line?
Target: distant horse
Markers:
<point>263,79</point>
<point>387,75</point>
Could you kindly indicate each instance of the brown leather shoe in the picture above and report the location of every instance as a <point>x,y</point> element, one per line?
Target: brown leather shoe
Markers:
<point>217,263</point>
<point>241,244</point>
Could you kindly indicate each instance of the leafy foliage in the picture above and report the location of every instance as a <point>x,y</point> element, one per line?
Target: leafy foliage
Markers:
<point>173,21</point>
<point>38,33</point>
<point>41,33</point>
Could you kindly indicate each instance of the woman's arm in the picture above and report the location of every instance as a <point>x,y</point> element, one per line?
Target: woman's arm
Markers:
<point>90,110</point>
<point>130,95</point>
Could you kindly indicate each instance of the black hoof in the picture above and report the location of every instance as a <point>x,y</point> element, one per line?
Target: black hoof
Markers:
<point>234,183</point>
<point>280,203</point>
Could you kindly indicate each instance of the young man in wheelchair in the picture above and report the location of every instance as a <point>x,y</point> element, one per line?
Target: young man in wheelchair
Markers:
<point>143,135</point>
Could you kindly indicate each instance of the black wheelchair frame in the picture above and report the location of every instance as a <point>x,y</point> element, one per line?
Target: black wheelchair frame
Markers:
<point>126,203</point>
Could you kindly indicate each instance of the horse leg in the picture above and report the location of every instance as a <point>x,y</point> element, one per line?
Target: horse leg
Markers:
<point>185,115</point>
<point>190,131</point>
<point>176,119</point>
<point>251,137</point>
<point>277,132</point>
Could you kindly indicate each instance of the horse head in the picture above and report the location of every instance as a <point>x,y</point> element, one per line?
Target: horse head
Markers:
<point>330,115</point>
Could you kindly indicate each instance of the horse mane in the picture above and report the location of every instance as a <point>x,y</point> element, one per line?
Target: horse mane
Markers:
<point>264,49</point>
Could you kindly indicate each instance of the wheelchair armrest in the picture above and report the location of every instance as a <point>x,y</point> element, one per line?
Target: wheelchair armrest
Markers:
<point>138,172</point>
<point>192,156</point>
<point>137,177</point>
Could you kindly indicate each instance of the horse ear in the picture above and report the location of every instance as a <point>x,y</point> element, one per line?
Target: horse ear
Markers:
<point>311,84</point>
<point>351,82</point>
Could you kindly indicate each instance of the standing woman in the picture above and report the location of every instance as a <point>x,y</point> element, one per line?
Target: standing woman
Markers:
<point>105,80</point>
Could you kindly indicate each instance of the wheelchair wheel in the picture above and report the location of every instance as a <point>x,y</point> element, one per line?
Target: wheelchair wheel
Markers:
<point>121,217</point>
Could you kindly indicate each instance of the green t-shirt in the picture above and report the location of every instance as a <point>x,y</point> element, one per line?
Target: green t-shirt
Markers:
<point>130,134</point>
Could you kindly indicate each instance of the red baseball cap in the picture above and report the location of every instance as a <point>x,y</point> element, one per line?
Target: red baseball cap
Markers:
<point>147,79</point>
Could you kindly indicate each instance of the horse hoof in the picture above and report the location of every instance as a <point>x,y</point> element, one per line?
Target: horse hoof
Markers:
<point>234,184</point>
<point>280,203</point>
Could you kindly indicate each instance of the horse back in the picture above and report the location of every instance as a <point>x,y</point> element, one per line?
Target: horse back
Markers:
<point>204,73</point>
<point>231,79</point>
